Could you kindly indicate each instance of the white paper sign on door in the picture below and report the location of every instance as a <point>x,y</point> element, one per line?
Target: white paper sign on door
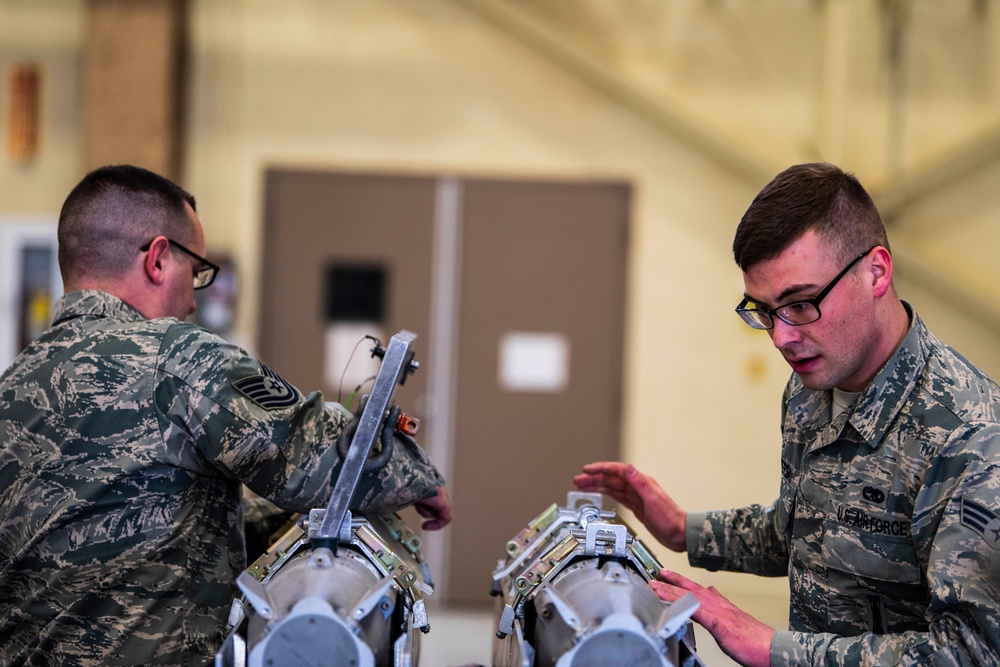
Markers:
<point>533,362</point>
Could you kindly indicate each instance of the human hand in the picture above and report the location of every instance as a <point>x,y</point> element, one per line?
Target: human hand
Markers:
<point>640,494</point>
<point>436,509</point>
<point>740,636</point>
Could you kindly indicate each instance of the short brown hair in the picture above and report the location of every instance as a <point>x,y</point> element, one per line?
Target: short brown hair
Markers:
<point>814,196</point>
<point>111,213</point>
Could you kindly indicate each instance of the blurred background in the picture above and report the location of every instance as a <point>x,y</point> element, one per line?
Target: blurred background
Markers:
<point>544,191</point>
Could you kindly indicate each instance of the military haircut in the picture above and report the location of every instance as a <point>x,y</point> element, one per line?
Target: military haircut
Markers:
<point>111,213</point>
<point>813,196</point>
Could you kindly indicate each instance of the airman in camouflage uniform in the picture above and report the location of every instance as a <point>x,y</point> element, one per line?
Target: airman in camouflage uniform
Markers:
<point>125,438</point>
<point>888,520</point>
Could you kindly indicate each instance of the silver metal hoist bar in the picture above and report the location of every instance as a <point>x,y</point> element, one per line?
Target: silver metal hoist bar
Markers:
<point>397,362</point>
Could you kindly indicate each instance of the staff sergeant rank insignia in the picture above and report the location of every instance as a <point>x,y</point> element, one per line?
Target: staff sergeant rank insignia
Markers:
<point>268,390</point>
<point>981,520</point>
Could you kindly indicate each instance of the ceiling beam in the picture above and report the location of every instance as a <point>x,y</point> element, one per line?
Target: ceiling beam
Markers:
<point>556,47</point>
<point>958,296</point>
<point>907,190</point>
<point>892,199</point>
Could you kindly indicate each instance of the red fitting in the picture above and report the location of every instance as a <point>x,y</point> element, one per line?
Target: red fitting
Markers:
<point>407,425</point>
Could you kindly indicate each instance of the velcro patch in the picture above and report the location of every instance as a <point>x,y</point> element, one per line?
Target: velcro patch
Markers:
<point>981,520</point>
<point>268,390</point>
<point>874,495</point>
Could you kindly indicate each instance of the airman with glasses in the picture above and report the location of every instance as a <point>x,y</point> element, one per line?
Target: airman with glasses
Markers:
<point>890,457</point>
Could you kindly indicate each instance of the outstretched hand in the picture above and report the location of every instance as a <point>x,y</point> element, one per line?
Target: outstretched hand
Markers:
<point>436,509</point>
<point>642,496</point>
<point>741,636</point>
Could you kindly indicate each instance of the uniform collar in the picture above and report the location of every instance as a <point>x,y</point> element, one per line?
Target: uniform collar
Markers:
<point>880,401</point>
<point>93,303</point>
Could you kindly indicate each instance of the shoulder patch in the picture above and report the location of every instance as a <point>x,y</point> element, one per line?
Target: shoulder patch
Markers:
<point>267,390</point>
<point>981,520</point>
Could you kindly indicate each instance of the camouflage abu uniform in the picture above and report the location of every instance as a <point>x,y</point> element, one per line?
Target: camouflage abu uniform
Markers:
<point>123,445</point>
<point>888,523</point>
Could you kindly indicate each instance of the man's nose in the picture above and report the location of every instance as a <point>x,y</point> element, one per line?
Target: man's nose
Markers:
<point>783,333</point>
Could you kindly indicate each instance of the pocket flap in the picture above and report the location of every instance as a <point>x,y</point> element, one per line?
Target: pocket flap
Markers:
<point>869,554</point>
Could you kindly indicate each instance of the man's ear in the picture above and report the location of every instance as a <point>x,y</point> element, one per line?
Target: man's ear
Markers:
<point>881,271</point>
<point>156,257</point>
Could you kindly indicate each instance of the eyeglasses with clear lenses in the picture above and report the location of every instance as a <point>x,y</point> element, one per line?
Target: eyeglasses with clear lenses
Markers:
<point>796,313</point>
<point>204,275</point>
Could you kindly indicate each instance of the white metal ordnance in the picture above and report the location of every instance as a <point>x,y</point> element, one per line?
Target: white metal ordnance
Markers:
<point>308,606</point>
<point>573,592</point>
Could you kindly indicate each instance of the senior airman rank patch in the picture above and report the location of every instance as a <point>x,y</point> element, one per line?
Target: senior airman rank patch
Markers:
<point>267,390</point>
<point>982,520</point>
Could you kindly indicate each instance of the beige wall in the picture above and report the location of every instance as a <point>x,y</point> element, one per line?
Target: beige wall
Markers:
<point>427,87</point>
<point>49,32</point>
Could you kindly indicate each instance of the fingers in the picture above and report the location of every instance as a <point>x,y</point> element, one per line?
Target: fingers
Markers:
<point>585,482</point>
<point>617,491</point>
<point>740,636</point>
<point>435,524</point>
<point>673,586</point>
<point>665,592</point>
<point>603,477</point>
<point>436,510</point>
<point>680,581</point>
<point>604,467</point>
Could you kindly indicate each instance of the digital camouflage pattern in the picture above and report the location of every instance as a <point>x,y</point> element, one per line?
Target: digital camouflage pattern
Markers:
<point>887,524</point>
<point>123,446</point>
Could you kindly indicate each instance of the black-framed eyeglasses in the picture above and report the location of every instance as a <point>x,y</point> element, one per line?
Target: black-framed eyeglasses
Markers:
<point>796,313</point>
<point>204,275</point>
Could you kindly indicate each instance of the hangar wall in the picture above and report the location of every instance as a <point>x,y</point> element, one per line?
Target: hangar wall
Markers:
<point>429,88</point>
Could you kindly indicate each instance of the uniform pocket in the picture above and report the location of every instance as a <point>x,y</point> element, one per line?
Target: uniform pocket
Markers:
<point>870,554</point>
<point>874,578</point>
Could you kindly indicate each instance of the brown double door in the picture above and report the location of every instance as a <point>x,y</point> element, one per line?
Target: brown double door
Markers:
<point>516,290</point>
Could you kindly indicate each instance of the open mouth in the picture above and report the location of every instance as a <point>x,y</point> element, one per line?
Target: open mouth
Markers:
<point>803,364</point>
